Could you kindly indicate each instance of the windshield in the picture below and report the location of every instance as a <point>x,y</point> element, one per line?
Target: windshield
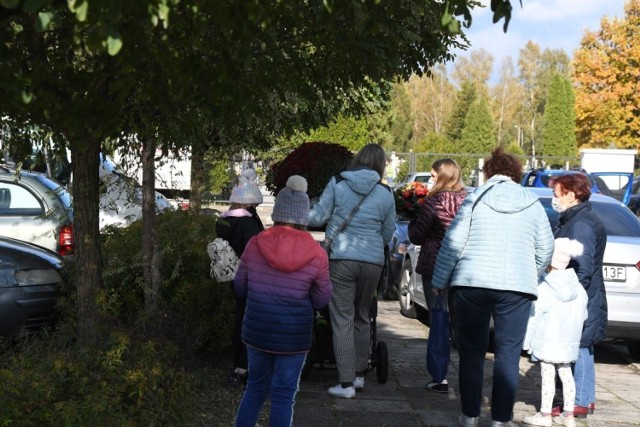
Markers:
<point>618,220</point>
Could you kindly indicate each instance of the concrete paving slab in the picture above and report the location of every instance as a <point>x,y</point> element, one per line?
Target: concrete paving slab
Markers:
<point>403,401</point>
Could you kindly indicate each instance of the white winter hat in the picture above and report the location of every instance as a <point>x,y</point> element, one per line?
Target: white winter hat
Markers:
<point>246,191</point>
<point>565,249</point>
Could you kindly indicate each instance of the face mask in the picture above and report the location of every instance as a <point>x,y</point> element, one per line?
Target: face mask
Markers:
<point>430,184</point>
<point>555,204</point>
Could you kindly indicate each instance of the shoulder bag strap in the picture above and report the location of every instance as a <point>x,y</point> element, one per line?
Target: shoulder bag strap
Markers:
<point>328,241</point>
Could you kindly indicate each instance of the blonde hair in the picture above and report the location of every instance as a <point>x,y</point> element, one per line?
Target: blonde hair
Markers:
<point>449,176</point>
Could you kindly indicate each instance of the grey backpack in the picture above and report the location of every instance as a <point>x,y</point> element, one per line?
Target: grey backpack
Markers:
<point>224,261</point>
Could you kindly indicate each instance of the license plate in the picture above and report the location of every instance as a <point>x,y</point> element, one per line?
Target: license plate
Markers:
<point>614,273</point>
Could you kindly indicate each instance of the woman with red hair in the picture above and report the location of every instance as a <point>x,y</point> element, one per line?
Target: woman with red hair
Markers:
<point>578,222</point>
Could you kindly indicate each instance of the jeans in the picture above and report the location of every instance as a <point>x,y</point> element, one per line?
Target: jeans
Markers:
<point>436,360</point>
<point>272,374</point>
<point>584,374</point>
<point>510,312</point>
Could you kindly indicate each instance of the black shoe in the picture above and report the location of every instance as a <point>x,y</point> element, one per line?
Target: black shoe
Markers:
<point>442,387</point>
<point>234,379</point>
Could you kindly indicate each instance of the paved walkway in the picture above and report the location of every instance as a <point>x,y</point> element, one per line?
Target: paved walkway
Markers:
<point>403,401</point>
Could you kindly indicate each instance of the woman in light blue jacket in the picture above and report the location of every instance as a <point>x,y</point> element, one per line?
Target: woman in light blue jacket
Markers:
<point>492,255</point>
<point>356,258</point>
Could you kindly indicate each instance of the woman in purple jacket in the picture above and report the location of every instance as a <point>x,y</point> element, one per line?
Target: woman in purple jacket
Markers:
<point>446,194</point>
<point>284,275</point>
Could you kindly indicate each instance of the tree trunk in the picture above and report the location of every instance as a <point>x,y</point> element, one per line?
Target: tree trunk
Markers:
<point>197,178</point>
<point>85,157</point>
<point>150,260</point>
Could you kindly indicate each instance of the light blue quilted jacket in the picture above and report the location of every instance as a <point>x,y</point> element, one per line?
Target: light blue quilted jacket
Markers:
<point>504,243</point>
<point>371,227</point>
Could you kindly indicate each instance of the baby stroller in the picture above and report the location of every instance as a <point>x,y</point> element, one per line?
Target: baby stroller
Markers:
<point>321,355</point>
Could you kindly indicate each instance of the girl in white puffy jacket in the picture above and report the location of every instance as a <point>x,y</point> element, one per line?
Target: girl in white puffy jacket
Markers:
<point>554,331</point>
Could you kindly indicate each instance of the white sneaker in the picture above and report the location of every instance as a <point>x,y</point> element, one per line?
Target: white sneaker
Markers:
<point>465,421</point>
<point>538,420</point>
<point>565,420</point>
<point>338,391</point>
<point>358,383</point>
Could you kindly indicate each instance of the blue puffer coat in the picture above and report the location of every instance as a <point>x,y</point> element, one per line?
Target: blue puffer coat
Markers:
<point>504,243</point>
<point>370,228</point>
<point>581,224</point>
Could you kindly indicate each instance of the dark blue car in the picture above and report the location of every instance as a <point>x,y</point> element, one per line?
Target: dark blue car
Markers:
<point>541,178</point>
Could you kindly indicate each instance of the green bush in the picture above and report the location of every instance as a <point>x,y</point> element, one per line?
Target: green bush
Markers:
<point>144,371</point>
<point>49,381</point>
<point>196,312</point>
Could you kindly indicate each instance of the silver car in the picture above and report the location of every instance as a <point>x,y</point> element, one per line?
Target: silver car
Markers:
<point>621,270</point>
<point>36,209</point>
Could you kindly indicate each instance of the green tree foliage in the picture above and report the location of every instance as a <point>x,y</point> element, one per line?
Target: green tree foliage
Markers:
<point>478,134</point>
<point>536,70</point>
<point>431,143</point>
<point>455,123</point>
<point>432,98</point>
<point>559,134</point>
<point>234,73</point>
<point>402,120</point>
<point>351,132</point>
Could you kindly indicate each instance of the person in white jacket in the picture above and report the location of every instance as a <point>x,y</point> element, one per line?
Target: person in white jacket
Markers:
<point>554,331</point>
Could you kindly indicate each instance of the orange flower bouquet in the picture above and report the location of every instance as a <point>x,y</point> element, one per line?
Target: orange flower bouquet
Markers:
<point>409,199</point>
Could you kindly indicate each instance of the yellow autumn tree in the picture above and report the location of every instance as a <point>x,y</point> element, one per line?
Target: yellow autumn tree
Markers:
<point>607,77</point>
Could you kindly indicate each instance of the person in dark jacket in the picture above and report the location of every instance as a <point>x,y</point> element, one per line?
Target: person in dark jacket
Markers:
<point>578,222</point>
<point>440,206</point>
<point>239,224</point>
<point>284,275</point>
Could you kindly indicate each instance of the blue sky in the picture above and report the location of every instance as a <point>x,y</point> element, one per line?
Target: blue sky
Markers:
<point>552,24</point>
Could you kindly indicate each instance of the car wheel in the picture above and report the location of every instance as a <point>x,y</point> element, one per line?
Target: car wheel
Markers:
<point>634,350</point>
<point>407,308</point>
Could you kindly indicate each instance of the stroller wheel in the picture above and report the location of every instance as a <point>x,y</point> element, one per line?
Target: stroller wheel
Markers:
<point>382,367</point>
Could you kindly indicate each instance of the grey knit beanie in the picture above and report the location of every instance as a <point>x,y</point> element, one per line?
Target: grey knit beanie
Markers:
<point>292,202</point>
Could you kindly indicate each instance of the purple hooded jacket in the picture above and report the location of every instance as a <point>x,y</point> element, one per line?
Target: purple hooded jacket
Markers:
<point>284,274</point>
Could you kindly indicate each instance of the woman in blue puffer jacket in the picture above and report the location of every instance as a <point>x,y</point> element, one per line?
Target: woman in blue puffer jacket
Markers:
<point>492,255</point>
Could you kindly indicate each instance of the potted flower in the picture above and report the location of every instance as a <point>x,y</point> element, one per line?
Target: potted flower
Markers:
<point>409,199</point>
<point>316,161</point>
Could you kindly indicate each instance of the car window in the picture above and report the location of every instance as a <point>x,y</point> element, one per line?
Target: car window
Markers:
<point>17,200</point>
<point>545,180</point>
<point>422,178</point>
<point>618,220</point>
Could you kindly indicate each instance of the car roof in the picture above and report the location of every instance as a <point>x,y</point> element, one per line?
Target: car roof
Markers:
<point>601,198</point>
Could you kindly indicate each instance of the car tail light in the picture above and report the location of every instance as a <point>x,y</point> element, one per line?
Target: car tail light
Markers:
<point>65,241</point>
<point>638,265</point>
